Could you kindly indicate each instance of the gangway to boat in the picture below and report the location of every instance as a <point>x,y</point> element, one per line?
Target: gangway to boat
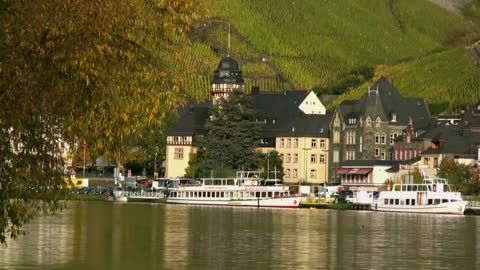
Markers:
<point>145,195</point>
<point>473,207</point>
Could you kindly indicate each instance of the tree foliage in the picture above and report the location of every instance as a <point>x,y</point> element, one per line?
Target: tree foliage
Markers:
<point>459,176</point>
<point>272,163</point>
<point>79,70</point>
<point>232,134</point>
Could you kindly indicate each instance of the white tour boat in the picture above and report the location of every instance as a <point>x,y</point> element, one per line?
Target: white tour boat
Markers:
<point>432,196</point>
<point>246,189</point>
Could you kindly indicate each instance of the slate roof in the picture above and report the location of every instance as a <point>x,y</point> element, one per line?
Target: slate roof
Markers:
<point>192,118</point>
<point>228,71</point>
<point>453,140</point>
<point>383,100</point>
<point>370,162</point>
<point>279,111</point>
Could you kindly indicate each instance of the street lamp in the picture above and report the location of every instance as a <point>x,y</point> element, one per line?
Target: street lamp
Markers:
<point>306,151</point>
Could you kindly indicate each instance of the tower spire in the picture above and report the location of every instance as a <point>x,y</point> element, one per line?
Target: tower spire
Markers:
<point>228,41</point>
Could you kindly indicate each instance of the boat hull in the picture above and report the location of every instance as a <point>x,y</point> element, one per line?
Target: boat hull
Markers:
<point>280,202</point>
<point>452,208</point>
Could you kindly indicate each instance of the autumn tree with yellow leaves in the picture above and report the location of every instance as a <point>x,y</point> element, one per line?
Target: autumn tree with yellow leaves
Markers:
<point>80,70</point>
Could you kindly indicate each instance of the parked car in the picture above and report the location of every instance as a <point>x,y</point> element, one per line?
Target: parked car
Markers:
<point>349,199</point>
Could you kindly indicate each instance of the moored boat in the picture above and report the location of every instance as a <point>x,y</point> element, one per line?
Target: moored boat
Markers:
<point>432,196</point>
<point>246,189</point>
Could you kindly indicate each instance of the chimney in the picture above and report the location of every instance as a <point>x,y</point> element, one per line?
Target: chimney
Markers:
<point>389,79</point>
<point>255,90</point>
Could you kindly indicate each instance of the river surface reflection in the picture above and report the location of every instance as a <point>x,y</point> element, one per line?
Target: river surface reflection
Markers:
<point>101,235</point>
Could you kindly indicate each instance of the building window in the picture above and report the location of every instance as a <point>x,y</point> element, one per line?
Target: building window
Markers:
<point>288,173</point>
<point>377,152</point>
<point>282,142</point>
<point>295,173</point>
<point>295,158</point>
<point>322,144</point>
<point>313,158</point>
<point>368,122</point>
<point>383,155</point>
<point>336,121</point>
<point>288,158</point>
<point>295,143</point>
<point>336,136</point>
<point>322,159</point>
<point>391,155</point>
<point>352,121</point>
<point>281,156</point>
<point>350,155</point>
<point>377,122</point>
<point>350,137</point>
<point>394,117</point>
<point>336,156</point>
<point>289,143</point>
<point>313,173</point>
<point>384,138</point>
<point>314,143</point>
<point>425,161</point>
<point>178,154</point>
<point>377,138</point>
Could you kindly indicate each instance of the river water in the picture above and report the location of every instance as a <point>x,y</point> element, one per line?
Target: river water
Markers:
<point>102,235</point>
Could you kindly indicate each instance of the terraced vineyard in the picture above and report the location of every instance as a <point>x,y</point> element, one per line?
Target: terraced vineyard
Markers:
<point>447,78</point>
<point>313,43</point>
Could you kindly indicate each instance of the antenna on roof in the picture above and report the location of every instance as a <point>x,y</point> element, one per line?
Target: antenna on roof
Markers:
<point>228,41</point>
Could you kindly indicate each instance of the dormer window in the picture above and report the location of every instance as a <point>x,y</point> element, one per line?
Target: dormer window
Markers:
<point>377,121</point>
<point>352,121</point>
<point>368,121</point>
<point>394,117</point>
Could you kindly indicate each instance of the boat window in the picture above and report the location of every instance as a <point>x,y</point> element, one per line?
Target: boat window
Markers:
<point>413,201</point>
<point>430,201</point>
<point>217,182</point>
<point>409,188</point>
<point>391,201</point>
<point>276,194</point>
<point>397,201</point>
<point>453,200</point>
<point>402,202</point>
<point>269,194</point>
<point>429,188</point>
<point>436,201</point>
<point>414,188</point>
<point>208,194</point>
<point>230,182</point>
<point>222,194</point>
<point>257,194</point>
<point>264,194</point>
<point>444,200</point>
<point>404,188</point>
<point>385,201</point>
<point>445,188</point>
<point>407,202</point>
<point>397,188</point>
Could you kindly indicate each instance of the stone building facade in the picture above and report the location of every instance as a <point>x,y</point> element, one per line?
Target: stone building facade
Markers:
<point>365,129</point>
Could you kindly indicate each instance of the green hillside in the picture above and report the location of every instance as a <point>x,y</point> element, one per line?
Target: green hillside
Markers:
<point>446,79</point>
<point>302,44</point>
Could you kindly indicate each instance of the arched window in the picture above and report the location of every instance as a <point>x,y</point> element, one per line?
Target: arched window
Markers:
<point>384,138</point>
<point>377,138</point>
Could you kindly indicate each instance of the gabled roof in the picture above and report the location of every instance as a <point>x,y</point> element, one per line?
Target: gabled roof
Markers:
<point>383,100</point>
